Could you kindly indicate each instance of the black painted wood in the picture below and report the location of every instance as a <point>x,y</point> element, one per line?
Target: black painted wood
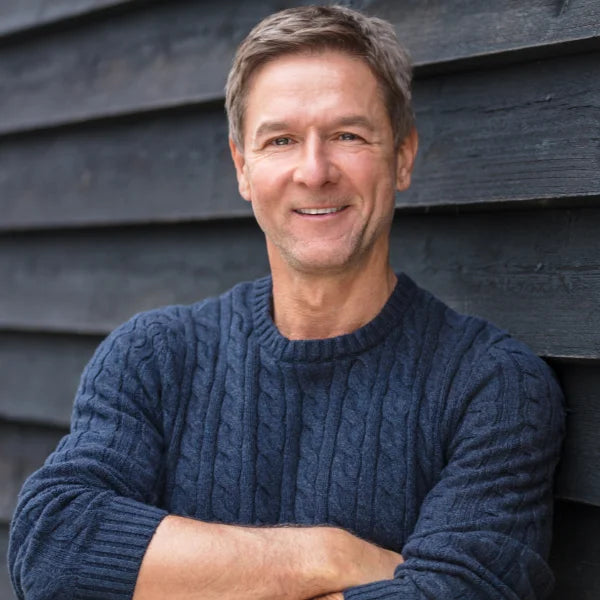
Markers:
<point>445,31</point>
<point>169,54</point>
<point>575,556</point>
<point>39,375</point>
<point>89,281</point>
<point>165,167</point>
<point>487,137</point>
<point>578,476</point>
<point>6,591</point>
<point>533,272</point>
<point>20,15</point>
<point>23,449</point>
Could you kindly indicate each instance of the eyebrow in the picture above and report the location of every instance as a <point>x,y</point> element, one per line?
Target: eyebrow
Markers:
<point>267,127</point>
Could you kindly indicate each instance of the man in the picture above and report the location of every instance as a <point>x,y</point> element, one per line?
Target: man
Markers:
<point>411,448</point>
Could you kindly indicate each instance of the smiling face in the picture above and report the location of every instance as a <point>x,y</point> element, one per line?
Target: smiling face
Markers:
<point>318,162</point>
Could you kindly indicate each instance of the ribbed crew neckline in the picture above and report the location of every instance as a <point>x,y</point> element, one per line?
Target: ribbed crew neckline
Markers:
<point>318,350</point>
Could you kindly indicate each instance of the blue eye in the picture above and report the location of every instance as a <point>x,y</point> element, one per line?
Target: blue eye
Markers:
<point>348,136</point>
<point>281,141</point>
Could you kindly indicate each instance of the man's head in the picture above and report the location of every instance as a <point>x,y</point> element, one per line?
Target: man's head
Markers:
<point>311,29</point>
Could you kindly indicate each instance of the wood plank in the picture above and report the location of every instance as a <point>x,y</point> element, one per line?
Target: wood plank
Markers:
<point>166,167</point>
<point>23,449</point>
<point>451,30</point>
<point>532,272</point>
<point>39,375</point>
<point>149,58</point>
<point>487,137</point>
<point>6,591</point>
<point>89,281</point>
<point>578,476</point>
<point>20,15</point>
<point>575,556</point>
<point>535,273</point>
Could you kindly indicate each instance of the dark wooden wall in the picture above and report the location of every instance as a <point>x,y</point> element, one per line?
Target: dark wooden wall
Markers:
<point>117,195</point>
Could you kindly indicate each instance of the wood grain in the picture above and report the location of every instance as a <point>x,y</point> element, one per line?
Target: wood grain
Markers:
<point>178,53</point>
<point>21,15</point>
<point>39,375</point>
<point>23,449</point>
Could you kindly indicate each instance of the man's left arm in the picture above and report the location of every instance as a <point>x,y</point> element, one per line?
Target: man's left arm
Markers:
<point>484,529</point>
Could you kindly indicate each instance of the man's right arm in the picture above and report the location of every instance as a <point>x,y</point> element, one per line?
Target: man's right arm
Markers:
<point>193,559</point>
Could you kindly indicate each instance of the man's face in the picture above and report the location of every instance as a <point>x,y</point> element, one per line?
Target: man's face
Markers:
<point>318,162</point>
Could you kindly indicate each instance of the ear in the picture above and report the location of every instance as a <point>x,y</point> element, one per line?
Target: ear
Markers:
<point>241,170</point>
<point>405,160</point>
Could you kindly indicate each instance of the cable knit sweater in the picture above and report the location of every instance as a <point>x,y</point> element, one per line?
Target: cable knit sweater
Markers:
<point>427,432</point>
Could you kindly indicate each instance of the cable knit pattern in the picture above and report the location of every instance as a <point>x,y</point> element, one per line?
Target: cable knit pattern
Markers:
<point>425,431</point>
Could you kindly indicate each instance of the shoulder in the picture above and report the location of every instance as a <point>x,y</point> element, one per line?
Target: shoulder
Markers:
<point>477,366</point>
<point>175,328</point>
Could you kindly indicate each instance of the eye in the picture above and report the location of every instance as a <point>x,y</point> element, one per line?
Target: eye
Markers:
<point>281,141</point>
<point>348,137</point>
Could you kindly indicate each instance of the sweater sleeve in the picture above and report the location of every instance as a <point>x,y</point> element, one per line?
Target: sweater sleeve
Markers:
<point>484,529</point>
<point>84,520</point>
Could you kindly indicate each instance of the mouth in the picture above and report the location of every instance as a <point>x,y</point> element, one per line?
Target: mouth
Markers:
<point>320,211</point>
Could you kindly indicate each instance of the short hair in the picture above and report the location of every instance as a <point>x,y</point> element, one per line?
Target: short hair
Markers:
<point>319,28</point>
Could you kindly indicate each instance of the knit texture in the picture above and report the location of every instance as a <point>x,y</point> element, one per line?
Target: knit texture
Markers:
<point>425,431</point>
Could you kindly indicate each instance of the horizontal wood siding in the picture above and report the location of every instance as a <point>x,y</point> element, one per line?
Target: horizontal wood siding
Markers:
<point>39,374</point>
<point>174,53</point>
<point>22,15</point>
<point>117,195</point>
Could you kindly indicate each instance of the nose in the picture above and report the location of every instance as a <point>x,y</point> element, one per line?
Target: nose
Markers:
<point>315,167</point>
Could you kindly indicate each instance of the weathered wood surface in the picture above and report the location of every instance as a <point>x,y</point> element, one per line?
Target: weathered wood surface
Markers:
<point>532,272</point>
<point>6,591</point>
<point>39,375</point>
<point>575,557</point>
<point>90,281</point>
<point>174,53</point>
<point>535,273</point>
<point>496,136</point>
<point>23,449</point>
<point>445,31</point>
<point>164,167</point>
<point>579,473</point>
<point>19,15</point>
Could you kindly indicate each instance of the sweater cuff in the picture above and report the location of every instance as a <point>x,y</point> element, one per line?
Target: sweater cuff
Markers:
<point>112,564</point>
<point>378,590</point>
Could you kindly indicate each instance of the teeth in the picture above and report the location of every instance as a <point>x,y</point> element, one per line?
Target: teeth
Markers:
<point>318,211</point>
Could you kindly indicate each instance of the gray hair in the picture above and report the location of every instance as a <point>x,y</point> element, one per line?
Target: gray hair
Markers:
<point>319,28</point>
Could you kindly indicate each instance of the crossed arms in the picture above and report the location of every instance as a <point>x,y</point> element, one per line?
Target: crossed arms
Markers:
<point>193,559</point>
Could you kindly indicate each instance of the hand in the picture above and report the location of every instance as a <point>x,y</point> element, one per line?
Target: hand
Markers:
<point>334,596</point>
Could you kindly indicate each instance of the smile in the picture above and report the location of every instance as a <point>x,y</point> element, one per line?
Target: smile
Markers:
<point>319,211</point>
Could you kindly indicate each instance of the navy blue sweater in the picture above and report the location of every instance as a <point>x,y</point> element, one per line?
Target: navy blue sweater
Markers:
<point>427,432</point>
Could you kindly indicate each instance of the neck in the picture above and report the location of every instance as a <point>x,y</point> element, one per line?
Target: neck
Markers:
<point>318,306</point>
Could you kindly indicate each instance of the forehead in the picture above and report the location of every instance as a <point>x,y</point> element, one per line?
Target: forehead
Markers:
<point>311,83</point>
